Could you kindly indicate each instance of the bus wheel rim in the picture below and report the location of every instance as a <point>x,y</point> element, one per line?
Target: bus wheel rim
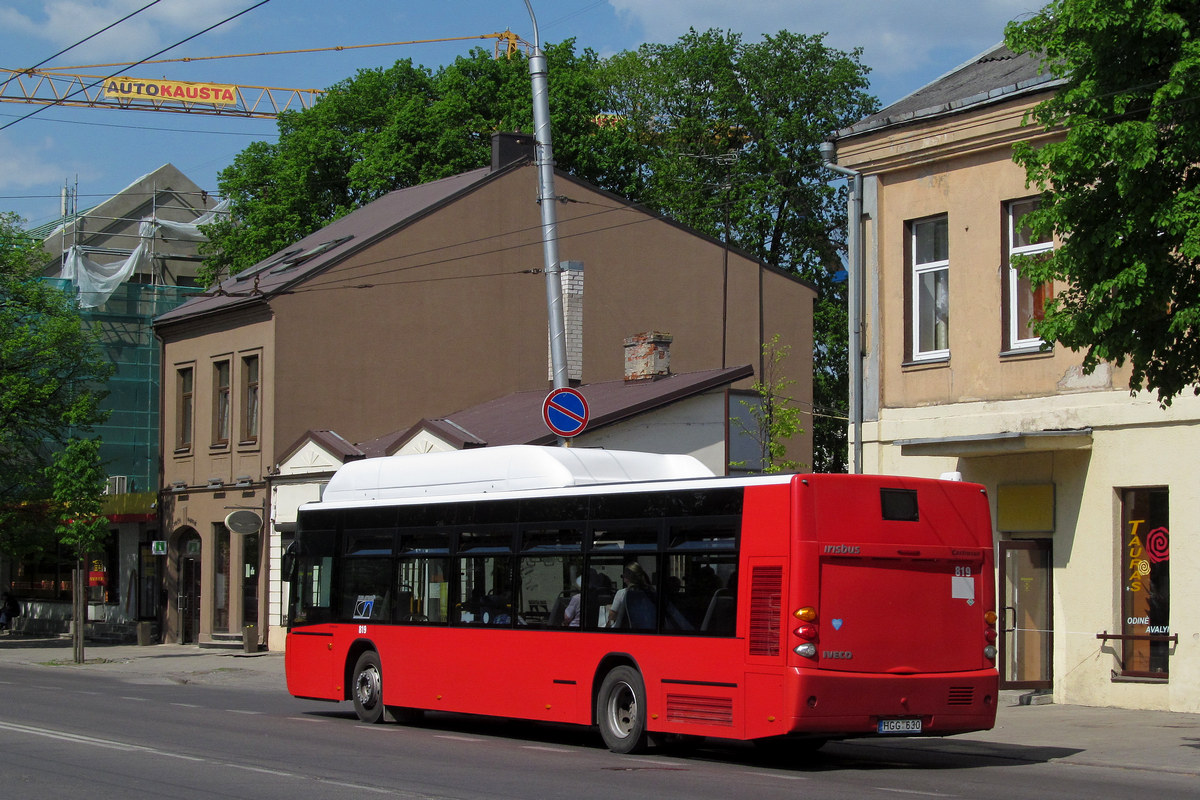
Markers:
<point>368,687</point>
<point>622,710</point>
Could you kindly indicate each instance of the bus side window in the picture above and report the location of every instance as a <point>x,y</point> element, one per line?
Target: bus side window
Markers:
<point>485,585</point>
<point>701,578</point>
<point>423,576</point>
<point>551,578</point>
<point>366,589</point>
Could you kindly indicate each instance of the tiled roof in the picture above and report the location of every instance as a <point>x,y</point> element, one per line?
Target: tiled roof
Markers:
<point>995,75</point>
<point>517,418</point>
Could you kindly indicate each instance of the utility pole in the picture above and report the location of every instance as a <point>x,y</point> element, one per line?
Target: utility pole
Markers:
<point>546,200</point>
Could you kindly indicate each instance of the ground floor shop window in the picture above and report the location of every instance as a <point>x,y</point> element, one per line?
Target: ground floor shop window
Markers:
<point>1145,583</point>
<point>50,575</point>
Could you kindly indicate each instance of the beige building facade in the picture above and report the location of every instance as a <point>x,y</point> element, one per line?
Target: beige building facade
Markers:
<point>1090,485</point>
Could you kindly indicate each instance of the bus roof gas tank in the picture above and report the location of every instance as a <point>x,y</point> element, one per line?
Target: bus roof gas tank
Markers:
<point>501,469</point>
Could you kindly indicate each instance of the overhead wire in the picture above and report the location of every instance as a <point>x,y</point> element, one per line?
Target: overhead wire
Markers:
<point>40,109</point>
<point>94,35</point>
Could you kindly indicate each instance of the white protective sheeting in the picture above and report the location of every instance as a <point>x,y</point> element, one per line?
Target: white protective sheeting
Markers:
<point>97,282</point>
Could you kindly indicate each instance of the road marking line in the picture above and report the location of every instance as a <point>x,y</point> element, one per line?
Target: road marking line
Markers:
<point>456,738</point>
<point>278,772</point>
<point>107,744</point>
<point>358,786</point>
<point>776,775</point>
<point>912,791</point>
<point>545,749</point>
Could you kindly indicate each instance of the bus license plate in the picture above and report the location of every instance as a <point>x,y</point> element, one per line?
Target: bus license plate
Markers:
<point>899,726</point>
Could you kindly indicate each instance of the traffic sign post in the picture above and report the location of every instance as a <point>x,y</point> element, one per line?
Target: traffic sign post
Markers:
<point>565,412</point>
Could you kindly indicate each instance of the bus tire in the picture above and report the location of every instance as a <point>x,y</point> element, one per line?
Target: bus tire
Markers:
<point>367,688</point>
<point>621,710</point>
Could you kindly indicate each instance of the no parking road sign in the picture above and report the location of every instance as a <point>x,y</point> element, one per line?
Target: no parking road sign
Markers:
<point>565,412</point>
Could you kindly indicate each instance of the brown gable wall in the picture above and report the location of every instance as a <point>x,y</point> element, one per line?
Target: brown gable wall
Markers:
<point>451,318</point>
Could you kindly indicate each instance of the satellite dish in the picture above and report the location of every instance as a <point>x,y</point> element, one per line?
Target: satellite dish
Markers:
<point>243,521</point>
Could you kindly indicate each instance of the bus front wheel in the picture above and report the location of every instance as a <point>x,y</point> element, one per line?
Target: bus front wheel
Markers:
<point>368,688</point>
<point>621,710</point>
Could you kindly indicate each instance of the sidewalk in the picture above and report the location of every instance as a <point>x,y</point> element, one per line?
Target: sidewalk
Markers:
<point>1161,741</point>
<point>158,663</point>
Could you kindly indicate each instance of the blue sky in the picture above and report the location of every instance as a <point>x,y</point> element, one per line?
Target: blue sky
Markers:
<point>907,43</point>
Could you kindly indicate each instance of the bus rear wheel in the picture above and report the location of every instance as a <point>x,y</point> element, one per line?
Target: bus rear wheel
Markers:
<point>621,710</point>
<point>367,688</point>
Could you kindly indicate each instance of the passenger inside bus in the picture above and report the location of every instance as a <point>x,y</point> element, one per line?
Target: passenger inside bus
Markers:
<point>633,604</point>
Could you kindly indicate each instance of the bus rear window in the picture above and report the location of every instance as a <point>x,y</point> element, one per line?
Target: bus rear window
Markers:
<point>899,504</point>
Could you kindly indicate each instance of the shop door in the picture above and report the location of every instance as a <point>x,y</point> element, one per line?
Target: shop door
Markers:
<point>1027,639</point>
<point>189,597</point>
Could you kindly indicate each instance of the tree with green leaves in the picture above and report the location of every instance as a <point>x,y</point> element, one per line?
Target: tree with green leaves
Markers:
<point>1120,185</point>
<point>52,373</point>
<point>76,479</point>
<point>774,419</point>
<point>725,136</point>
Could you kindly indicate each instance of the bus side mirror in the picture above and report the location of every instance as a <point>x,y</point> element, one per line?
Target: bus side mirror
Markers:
<point>290,560</point>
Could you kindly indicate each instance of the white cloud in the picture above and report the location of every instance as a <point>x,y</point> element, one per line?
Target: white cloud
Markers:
<point>60,23</point>
<point>27,164</point>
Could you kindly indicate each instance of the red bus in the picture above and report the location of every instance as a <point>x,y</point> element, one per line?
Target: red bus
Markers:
<point>625,591</point>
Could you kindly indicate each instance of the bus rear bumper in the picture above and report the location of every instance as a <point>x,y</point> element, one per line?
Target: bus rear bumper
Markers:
<point>894,705</point>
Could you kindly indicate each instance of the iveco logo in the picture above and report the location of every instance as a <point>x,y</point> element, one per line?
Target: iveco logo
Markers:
<point>842,654</point>
<point>844,549</point>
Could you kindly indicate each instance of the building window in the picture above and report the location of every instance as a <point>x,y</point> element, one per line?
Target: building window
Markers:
<point>183,424</point>
<point>1145,566</point>
<point>250,399</point>
<point>222,580</point>
<point>221,410</point>
<point>930,288</point>
<point>1024,303</point>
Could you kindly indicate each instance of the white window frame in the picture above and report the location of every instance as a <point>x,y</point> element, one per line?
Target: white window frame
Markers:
<point>921,270</point>
<point>1016,293</point>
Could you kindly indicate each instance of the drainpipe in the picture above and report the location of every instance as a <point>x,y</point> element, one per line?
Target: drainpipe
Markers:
<point>546,200</point>
<point>855,296</point>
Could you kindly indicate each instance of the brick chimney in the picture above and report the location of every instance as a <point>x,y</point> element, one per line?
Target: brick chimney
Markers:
<point>508,147</point>
<point>648,356</point>
<point>571,277</point>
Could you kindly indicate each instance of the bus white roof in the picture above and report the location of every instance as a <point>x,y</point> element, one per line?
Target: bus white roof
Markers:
<point>501,469</point>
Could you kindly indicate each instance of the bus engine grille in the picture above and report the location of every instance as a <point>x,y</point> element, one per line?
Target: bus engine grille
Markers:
<point>766,600</point>
<point>700,710</point>
<point>961,696</point>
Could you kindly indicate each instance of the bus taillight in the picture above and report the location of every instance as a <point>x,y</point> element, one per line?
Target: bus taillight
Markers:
<point>806,630</point>
<point>989,635</point>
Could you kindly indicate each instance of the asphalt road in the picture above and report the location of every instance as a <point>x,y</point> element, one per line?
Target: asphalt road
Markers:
<point>222,731</point>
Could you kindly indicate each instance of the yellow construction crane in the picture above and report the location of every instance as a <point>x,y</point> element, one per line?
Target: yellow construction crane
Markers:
<point>56,86</point>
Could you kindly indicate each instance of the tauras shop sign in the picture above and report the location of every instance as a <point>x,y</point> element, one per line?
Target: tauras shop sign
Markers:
<point>217,94</point>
